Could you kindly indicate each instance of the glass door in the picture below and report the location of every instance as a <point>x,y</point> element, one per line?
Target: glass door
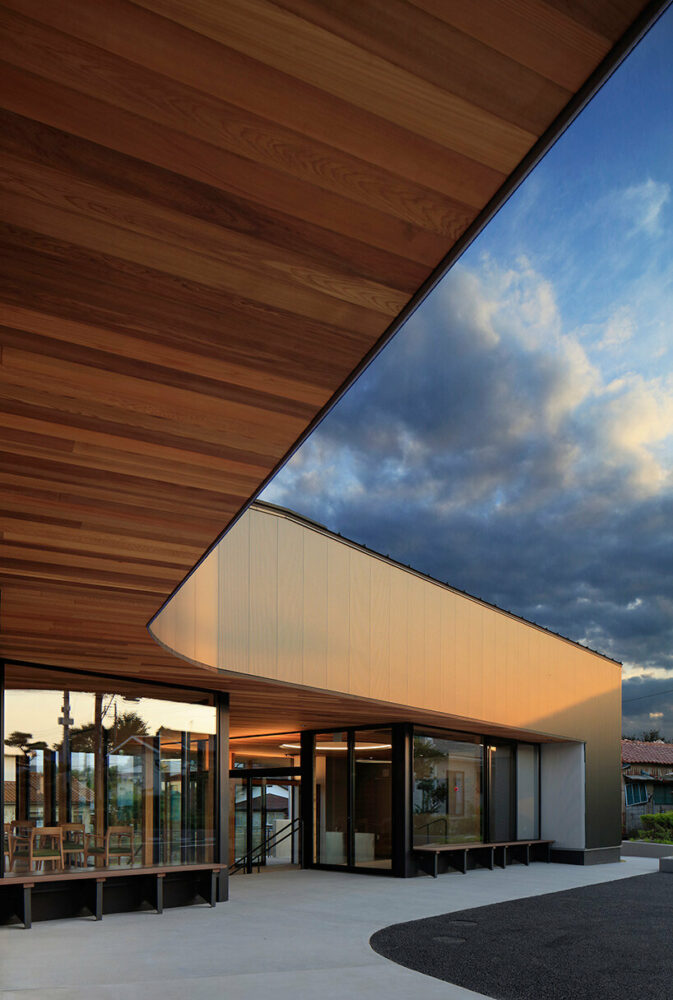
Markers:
<point>238,819</point>
<point>258,834</point>
<point>264,814</point>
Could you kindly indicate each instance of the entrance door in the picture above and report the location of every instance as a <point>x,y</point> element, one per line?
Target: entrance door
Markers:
<point>264,819</point>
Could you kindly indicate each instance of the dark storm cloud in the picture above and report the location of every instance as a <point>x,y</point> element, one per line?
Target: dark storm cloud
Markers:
<point>484,448</point>
<point>647,704</point>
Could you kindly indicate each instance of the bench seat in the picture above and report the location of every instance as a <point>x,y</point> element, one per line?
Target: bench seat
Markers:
<point>98,878</point>
<point>495,852</point>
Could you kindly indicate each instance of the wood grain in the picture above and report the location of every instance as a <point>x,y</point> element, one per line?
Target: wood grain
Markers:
<point>211,213</point>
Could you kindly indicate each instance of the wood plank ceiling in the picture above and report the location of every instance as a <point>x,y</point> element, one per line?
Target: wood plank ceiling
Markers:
<point>212,210</point>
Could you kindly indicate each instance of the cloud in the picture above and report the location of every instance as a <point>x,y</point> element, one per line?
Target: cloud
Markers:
<point>642,205</point>
<point>486,447</point>
<point>633,211</point>
<point>618,330</point>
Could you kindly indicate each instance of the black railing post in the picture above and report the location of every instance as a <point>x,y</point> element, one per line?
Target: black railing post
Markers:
<point>403,864</point>
<point>306,810</point>
<point>222,796</point>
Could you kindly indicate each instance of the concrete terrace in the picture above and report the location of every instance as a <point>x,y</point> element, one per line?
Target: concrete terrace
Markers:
<point>293,935</point>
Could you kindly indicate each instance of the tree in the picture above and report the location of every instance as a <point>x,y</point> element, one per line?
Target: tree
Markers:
<point>647,736</point>
<point>24,742</point>
<point>20,740</point>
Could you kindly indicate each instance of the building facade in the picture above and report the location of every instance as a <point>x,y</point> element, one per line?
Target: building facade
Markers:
<point>647,781</point>
<point>352,712</point>
<point>468,723</point>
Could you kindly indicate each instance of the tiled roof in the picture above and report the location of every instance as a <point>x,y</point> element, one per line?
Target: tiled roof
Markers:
<point>641,752</point>
<point>80,793</point>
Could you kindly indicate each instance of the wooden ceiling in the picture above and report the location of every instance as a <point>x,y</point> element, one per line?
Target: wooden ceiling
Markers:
<point>213,210</point>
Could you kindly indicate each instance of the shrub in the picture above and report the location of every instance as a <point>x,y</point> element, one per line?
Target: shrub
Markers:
<point>657,827</point>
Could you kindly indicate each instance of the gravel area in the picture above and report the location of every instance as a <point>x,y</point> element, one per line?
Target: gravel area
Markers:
<point>602,942</point>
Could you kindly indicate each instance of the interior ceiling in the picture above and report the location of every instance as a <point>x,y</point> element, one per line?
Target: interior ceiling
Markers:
<point>212,212</point>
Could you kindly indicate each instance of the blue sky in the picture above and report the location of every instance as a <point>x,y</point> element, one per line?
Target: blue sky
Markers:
<point>516,437</point>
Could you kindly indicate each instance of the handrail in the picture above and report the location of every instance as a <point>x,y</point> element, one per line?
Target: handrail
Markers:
<point>439,819</point>
<point>255,856</point>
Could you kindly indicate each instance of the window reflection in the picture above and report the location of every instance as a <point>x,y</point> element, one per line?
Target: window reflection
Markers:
<point>119,778</point>
<point>373,798</point>
<point>276,750</point>
<point>448,782</point>
<point>331,799</point>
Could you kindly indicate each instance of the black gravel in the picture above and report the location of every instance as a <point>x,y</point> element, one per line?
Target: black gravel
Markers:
<point>602,942</point>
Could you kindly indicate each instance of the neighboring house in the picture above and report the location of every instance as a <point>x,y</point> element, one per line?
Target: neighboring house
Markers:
<point>647,780</point>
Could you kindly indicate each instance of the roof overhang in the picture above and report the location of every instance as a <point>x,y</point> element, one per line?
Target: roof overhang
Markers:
<point>214,216</point>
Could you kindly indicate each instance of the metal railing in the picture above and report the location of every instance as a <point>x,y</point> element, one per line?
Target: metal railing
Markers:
<point>426,827</point>
<point>257,855</point>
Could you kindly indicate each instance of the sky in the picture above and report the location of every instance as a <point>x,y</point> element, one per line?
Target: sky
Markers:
<point>515,438</point>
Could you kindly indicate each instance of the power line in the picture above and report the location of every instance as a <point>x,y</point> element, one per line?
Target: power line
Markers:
<point>655,694</point>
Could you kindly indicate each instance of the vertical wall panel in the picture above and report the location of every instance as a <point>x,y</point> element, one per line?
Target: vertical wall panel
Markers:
<point>433,644</point>
<point>234,604</point>
<point>185,615</point>
<point>315,610</point>
<point>206,585</point>
<point>562,802</point>
<point>447,681</point>
<point>489,654</point>
<point>290,601</point>
<point>360,619</point>
<point>417,664</point>
<point>379,643</point>
<point>263,594</point>
<point>338,617</point>
<point>401,659</point>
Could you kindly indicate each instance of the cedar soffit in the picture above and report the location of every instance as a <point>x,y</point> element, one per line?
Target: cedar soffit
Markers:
<point>212,212</point>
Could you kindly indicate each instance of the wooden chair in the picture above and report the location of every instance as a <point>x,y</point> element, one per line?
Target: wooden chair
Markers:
<point>117,842</point>
<point>17,833</point>
<point>74,840</point>
<point>43,843</point>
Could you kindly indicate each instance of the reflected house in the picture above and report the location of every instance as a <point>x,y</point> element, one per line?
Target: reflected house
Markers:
<point>183,303</point>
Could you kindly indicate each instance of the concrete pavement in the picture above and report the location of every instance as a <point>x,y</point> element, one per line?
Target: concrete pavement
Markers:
<point>293,935</point>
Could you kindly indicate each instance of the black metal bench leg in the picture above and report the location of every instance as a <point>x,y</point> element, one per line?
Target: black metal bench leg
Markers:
<point>213,887</point>
<point>27,907</point>
<point>98,910</point>
<point>160,894</point>
<point>435,865</point>
<point>223,886</point>
<point>464,868</point>
<point>527,861</point>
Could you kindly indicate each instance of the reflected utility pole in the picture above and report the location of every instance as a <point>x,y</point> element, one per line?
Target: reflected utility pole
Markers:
<point>65,786</point>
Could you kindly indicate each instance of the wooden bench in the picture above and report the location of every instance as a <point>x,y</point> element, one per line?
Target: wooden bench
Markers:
<point>495,853</point>
<point>98,877</point>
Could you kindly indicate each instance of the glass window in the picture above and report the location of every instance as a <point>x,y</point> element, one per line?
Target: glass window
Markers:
<point>501,818</point>
<point>373,798</point>
<point>278,750</point>
<point>330,836</point>
<point>448,800</point>
<point>663,795</point>
<point>636,793</point>
<point>527,792</point>
<point>126,776</point>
